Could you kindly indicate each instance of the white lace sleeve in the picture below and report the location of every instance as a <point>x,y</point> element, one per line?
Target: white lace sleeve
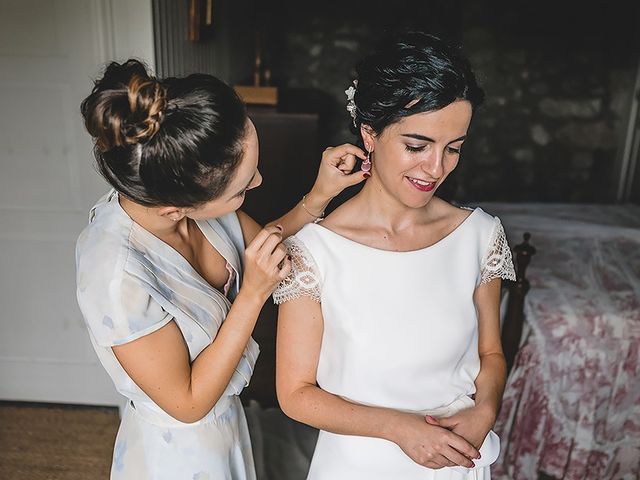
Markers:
<point>304,279</point>
<point>497,261</point>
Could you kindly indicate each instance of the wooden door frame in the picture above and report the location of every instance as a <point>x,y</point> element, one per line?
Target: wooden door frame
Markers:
<point>627,164</point>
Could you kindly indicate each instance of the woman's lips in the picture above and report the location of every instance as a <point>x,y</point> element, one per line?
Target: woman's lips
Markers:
<point>421,185</point>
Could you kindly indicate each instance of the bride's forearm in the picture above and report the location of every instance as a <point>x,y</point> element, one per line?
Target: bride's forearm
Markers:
<point>490,383</point>
<point>325,411</point>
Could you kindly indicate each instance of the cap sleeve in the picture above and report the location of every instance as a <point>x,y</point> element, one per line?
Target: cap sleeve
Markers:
<point>120,312</point>
<point>497,261</point>
<point>304,279</point>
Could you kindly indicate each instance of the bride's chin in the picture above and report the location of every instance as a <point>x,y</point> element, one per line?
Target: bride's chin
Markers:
<point>412,200</point>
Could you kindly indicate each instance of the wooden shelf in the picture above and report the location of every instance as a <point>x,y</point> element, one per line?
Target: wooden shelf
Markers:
<point>257,95</point>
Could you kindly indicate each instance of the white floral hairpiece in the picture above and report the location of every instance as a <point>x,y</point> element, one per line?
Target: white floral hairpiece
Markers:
<point>351,104</point>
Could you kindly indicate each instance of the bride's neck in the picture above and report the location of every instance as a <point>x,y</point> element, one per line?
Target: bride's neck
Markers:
<point>379,207</point>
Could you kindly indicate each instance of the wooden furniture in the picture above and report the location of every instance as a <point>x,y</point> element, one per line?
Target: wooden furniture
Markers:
<point>517,291</point>
<point>256,95</point>
<point>260,93</point>
<point>289,160</point>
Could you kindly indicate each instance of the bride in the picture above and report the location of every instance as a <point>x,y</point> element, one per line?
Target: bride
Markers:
<point>388,331</point>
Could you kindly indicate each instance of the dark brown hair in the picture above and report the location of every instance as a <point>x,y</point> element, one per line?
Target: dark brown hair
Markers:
<point>411,73</point>
<point>174,142</point>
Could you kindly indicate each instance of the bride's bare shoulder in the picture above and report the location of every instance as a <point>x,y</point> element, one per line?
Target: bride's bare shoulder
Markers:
<point>343,219</point>
<point>451,213</point>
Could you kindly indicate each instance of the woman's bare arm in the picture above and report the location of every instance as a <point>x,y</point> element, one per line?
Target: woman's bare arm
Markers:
<point>159,363</point>
<point>334,175</point>
<point>491,379</point>
<point>250,228</point>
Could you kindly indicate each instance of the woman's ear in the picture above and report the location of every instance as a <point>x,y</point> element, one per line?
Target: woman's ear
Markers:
<point>172,213</point>
<point>368,137</point>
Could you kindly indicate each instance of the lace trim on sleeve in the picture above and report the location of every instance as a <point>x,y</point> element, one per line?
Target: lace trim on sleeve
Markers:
<point>304,279</point>
<point>497,262</point>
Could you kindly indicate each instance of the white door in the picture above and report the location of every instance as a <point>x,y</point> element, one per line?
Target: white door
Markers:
<point>50,50</point>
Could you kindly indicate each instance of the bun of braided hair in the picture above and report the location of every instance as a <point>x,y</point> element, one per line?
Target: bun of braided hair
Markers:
<point>174,141</point>
<point>124,110</point>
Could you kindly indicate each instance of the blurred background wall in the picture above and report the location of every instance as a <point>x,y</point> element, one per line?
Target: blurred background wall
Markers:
<point>559,78</point>
<point>49,53</point>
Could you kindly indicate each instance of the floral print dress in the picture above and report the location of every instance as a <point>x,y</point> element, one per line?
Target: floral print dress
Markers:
<point>129,284</point>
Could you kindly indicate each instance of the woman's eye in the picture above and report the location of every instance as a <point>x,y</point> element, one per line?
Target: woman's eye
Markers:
<point>413,148</point>
<point>453,151</point>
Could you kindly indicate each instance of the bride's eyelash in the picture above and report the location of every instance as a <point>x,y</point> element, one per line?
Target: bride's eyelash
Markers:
<point>413,149</point>
<point>451,150</point>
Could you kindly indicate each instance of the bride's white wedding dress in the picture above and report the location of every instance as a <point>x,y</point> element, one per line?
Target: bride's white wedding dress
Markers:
<point>400,331</point>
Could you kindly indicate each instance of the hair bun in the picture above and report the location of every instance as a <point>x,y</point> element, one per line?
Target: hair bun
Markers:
<point>147,101</point>
<point>125,106</point>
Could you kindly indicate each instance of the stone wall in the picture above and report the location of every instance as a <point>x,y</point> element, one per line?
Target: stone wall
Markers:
<point>558,79</point>
<point>558,92</point>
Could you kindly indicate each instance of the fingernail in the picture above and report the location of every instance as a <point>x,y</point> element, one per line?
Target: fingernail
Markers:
<point>366,175</point>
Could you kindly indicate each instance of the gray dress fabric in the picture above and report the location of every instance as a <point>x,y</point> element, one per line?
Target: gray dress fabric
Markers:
<point>130,284</point>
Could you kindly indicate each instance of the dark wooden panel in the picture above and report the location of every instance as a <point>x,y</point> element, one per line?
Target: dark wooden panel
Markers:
<point>226,52</point>
<point>289,159</point>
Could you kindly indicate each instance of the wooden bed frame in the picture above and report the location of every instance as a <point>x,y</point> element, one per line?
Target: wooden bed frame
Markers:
<point>517,291</point>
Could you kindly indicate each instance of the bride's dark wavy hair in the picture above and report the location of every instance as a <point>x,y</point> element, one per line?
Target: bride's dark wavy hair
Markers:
<point>413,73</point>
<point>159,142</point>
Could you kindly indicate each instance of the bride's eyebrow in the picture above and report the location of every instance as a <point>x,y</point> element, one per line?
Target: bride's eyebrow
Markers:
<point>417,136</point>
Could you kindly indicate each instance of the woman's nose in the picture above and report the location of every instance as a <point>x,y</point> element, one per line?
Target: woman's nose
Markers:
<point>257,181</point>
<point>433,166</point>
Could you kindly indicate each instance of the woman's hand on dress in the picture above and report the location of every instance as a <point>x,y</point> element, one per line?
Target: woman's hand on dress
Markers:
<point>335,174</point>
<point>473,424</point>
<point>266,263</point>
<point>432,446</point>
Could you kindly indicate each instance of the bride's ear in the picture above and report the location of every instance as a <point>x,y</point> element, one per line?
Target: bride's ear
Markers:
<point>368,136</point>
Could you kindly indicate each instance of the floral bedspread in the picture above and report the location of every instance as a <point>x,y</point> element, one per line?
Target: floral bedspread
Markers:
<point>571,408</point>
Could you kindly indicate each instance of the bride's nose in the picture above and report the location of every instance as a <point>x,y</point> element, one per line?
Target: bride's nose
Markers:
<point>433,164</point>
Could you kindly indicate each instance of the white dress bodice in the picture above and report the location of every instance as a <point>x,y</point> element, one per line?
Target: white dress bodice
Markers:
<point>400,328</point>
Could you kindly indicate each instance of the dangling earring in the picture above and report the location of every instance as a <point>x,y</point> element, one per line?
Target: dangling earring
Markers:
<point>366,165</point>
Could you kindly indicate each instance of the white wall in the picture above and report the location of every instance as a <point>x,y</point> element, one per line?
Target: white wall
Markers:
<point>50,50</point>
